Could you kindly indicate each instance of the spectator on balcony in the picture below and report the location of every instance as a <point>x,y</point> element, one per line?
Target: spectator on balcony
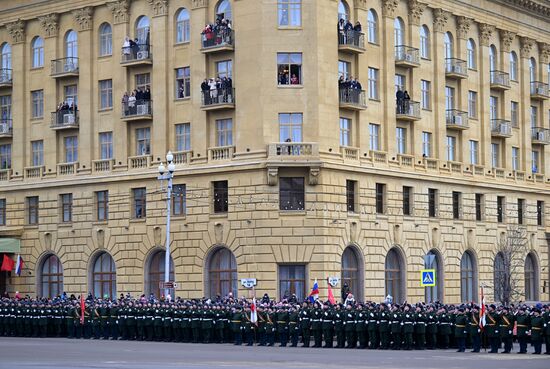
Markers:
<point>139,94</point>
<point>147,94</point>
<point>341,30</point>
<point>400,98</point>
<point>406,102</point>
<point>125,106</point>
<point>132,103</point>
<point>357,27</point>
<point>205,88</point>
<point>294,80</point>
<point>134,45</point>
<point>213,89</point>
<point>126,48</point>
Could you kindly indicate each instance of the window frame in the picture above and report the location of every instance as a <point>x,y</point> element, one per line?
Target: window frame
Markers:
<point>102,205</point>
<point>105,40</point>
<point>293,191</point>
<point>139,201</point>
<point>33,208</point>
<point>183,80</point>
<point>37,104</point>
<point>179,200</point>
<point>105,94</point>
<point>220,197</point>
<point>291,6</point>
<point>183,26</point>
<point>66,207</point>
<point>380,198</point>
<point>288,67</point>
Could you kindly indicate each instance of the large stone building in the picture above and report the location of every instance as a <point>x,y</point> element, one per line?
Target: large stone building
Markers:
<point>280,175</point>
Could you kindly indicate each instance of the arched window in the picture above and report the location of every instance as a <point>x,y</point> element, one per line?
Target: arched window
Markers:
<point>105,39</point>
<point>513,66</point>
<point>71,44</point>
<point>372,30</point>
<point>531,278</point>
<point>424,42</point>
<point>37,52</point>
<point>471,48</point>
<point>352,274</point>
<point>142,30</point>
<point>223,10</point>
<point>448,45</point>
<point>493,58</point>
<point>499,281</point>
<point>104,276</point>
<point>399,32</point>
<point>51,277</point>
<point>222,273</point>
<point>156,272</point>
<point>5,56</point>
<point>468,289</point>
<point>343,10</point>
<point>182,26</point>
<point>395,284</point>
<point>532,69</point>
<point>433,261</point>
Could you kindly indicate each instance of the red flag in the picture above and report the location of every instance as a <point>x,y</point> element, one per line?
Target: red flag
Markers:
<point>482,311</point>
<point>82,309</point>
<point>253,312</point>
<point>7,264</point>
<point>331,298</point>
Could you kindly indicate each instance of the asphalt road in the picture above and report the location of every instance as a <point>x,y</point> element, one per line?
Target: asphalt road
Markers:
<point>55,353</point>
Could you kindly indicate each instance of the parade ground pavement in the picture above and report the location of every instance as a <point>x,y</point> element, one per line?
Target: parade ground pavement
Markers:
<point>49,353</point>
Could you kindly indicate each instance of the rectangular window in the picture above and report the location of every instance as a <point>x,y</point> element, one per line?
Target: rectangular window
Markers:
<point>290,127</point>
<point>5,107</point>
<point>183,137</point>
<point>457,204</point>
<point>351,198</point>
<point>178,199</point>
<point>143,141</point>
<point>37,110</point>
<point>521,210</point>
<point>480,206</point>
<point>474,152</point>
<point>106,94</point>
<point>493,107</point>
<point>472,104</point>
<point>290,13</point>
<point>424,43</point>
<point>183,83</point>
<point>451,148</point>
<point>534,116</point>
<point>71,96</point>
<point>535,162</point>
<point>139,196</point>
<point>71,149</point>
<point>5,156</point>
<point>540,213</point>
<point>292,281</point>
<point>37,154</point>
<point>374,136</point>
<point>102,205</point>
<point>380,198</point>
<point>2,212</point>
<point>32,210</point>
<point>515,158</point>
<point>345,132</point>
<point>501,204</point>
<point>449,98</point>
<point>289,68</point>
<point>425,94</point>
<point>66,207</point>
<point>407,200</point>
<point>221,196</point>
<point>495,155</point>
<point>183,27</point>
<point>224,132</point>
<point>400,82</point>
<point>426,144</point>
<point>143,81</point>
<point>401,140</point>
<point>432,202</point>
<point>106,145</point>
<point>291,193</point>
<point>514,113</point>
<point>373,84</point>
<point>344,69</point>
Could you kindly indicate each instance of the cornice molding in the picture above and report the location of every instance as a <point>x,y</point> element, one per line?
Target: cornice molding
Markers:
<point>541,8</point>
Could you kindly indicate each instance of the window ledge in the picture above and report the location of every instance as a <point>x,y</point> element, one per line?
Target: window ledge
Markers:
<point>178,216</point>
<point>100,222</point>
<point>353,214</point>
<point>473,69</point>
<point>103,57</point>
<point>427,109</point>
<point>373,43</point>
<point>290,28</point>
<point>290,86</point>
<point>182,99</point>
<point>183,43</point>
<point>37,68</point>
<point>218,215</point>
<point>137,220</point>
<point>105,110</point>
<point>292,212</point>
<point>425,59</point>
<point>376,100</point>
<point>37,119</point>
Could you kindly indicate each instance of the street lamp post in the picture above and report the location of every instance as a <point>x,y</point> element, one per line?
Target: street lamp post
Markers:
<point>167,176</point>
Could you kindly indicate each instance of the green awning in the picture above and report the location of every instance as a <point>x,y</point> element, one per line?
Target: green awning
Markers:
<point>10,245</point>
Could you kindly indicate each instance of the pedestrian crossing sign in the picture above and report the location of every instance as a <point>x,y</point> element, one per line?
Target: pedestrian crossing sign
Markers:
<point>427,277</point>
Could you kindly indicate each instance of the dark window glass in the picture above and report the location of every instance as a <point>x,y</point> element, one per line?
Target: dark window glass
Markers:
<point>140,203</point>
<point>456,204</point>
<point>3,212</point>
<point>67,207</point>
<point>51,277</point>
<point>432,202</point>
<point>350,195</point>
<point>540,213</point>
<point>500,209</point>
<point>221,201</point>
<point>32,210</point>
<point>178,200</point>
<point>291,193</point>
<point>521,210</point>
<point>380,194</point>
<point>292,281</point>
<point>407,200</point>
<point>102,204</point>
<point>479,207</point>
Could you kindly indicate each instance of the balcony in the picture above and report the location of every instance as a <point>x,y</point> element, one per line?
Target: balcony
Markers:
<point>139,54</point>
<point>352,42</point>
<point>221,153</point>
<point>406,56</point>
<point>34,172</point>
<point>501,128</point>
<point>539,90</point>
<point>139,162</point>
<point>67,169</point>
<point>456,68</point>
<point>408,110</point>
<point>64,67</point>
<point>221,98</point>
<point>500,80</point>
<point>64,119</point>
<point>182,157</point>
<point>218,40</point>
<point>103,165</point>
<point>6,130</point>
<point>352,99</point>
<point>349,153</point>
<point>540,135</point>
<point>5,77</point>
<point>456,119</point>
<point>5,175</point>
<point>137,110</point>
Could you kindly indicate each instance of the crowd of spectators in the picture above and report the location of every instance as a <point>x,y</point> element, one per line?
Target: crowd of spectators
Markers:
<point>131,48</point>
<point>217,90</point>
<point>349,33</point>
<point>350,90</point>
<point>139,97</point>
<point>217,33</point>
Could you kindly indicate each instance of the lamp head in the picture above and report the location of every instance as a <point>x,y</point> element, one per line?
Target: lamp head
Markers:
<point>171,167</point>
<point>162,169</point>
<point>169,157</point>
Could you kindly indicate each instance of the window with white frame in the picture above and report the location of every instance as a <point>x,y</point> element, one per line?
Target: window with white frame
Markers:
<point>474,152</point>
<point>426,144</point>
<point>71,149</point>
<point>424,42</point>
<point>37,97</point>
<point>425,95</point>
<point>37,153</point>
<point>143,141</point>
<point>345,132</point>
<point>401,140</point>
<point>515,158</point>
<point>106,94</point>
<point>471,54</point>
<point>224,132</point>
<point>183,137</point>
<point>451,148</point>
<point>373,84</point>
<point>374,136</point>
<point>105,40</point>
<point>290,127</point>
<point>183,82</point>
<point>495,155</point>
<point>372,27</point>
<point>106,145</point>
<point>183,28</point>
<point>472,104</point>
<point>289,13</point>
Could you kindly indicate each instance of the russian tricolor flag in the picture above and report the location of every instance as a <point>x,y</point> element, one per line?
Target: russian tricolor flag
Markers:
<point>314,295</point>
<point>19,265</point>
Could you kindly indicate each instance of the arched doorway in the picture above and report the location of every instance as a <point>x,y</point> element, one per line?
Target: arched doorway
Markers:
<point>221,272</point>
<point>155,268</point>
<point>433,260</point>
<point>104,276</point>
<point>51,277</point>
<point>499,277</point>
<point>352,274</point>
<point>395,276</point>
<point>468,281</point>
<point>531,278</point>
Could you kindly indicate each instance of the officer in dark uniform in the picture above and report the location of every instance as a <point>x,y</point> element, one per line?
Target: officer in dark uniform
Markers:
<point>248,326</point>
<point>546,317</point>
<point>282,325</point>
<point>420,328</point>
<point>271,326</point>
<point>305,321</point>
<point>339,326</point>
<point>474,329</point>
<point>408,327</point>
<point>537,326</point>
<point>506,329</point>
<point>294,325</point>
<point>493,323</point>
<point>361,319</point>
<point>236,324</point>
<point>349,327</point>
<point>317,325</point>
<point>384,326</point>
<point>444,328</point>
<point>523,325</point>
<point>372,326</point>
<point>461,325</point>
<point>396,327</point>
<point>113,321</point>
<point>327,325</point>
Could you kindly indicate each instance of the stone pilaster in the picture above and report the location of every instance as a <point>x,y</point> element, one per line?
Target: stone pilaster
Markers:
<point>506,39</point>
<point>84,18</point>
<point>485,33</point>
<point>441,17</point>
<point>17,31</point>
<point>120,10</point>
<point>463,27</point>
<point>50,24</point>
<point>416,9</point>
<point>389,7</point>
<point>527,45</point>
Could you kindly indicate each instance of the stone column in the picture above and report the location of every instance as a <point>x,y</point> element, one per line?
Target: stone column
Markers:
<point>440,18</point>
<point>524,138</point>
<point>463,27</point>
<point>485,33</point>
<point>506,39</point>
<point>387,75</point>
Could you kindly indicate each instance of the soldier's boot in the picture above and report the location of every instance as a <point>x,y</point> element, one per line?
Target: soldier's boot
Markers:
<point>306,338</point>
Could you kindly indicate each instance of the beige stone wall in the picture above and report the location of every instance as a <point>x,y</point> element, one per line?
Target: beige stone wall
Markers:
<point>258,233</point>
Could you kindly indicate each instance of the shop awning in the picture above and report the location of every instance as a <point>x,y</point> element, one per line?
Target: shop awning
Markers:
<point>10,245</point>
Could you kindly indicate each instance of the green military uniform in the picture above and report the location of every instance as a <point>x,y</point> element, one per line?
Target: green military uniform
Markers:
<point>282,326</point>
<point>420,330</point>
<point>384,328</point>
<point>237,326</point>
<point>395,328</point>
<point>372,327</point>
<point>408,329</point>
<point>339,328</point>
<point>361,319</point>
<point>443,329</point>
<point>317,326</point>
<point>506,330</point>
<point>523,322</point>
<point>305,322</point>
<point>461,327</point>
<point>293,327</point>
<point>493,331</point>
<point>474,331</point>
<point>349,328</point>
<point>537,326</point>
<point>328,327</point>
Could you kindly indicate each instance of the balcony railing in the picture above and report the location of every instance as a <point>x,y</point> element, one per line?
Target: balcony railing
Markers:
<point>500,80</point>
<point>221,153</point>
<point>34,172</point>
<point>220,98</point>
<point>352,98</point>
<point>137,54</point>
<point>293,150</point>
<point>103,165</point>
<point>5,77</point>
<point>456,68</point>
<point>349,153</point>
<point>540,135</point>
<point>501,128</point>
<point>456,119</point>
<point>407,56</point>
<point>182,157</point>
<point>539,90</point>
<point>351,40</point>
<point>6,128</point>
<point>65,67</point>
<point>408,110</point>
<point>5,175</point>
<point>65,119</point>
<point>217,40</point>
<point>139,162</point>
<point>67,169</point>
<point>138,109</point>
